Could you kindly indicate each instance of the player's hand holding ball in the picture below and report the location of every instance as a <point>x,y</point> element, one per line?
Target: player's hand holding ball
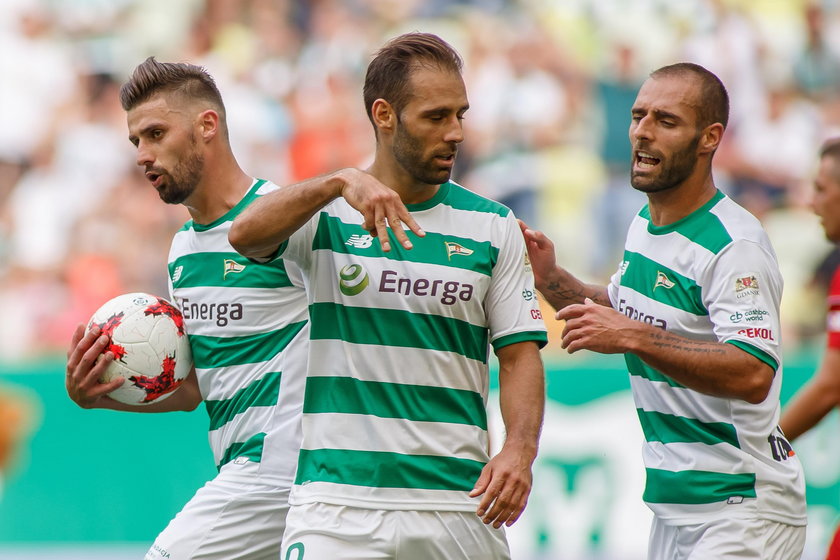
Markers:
<point>134,349</point>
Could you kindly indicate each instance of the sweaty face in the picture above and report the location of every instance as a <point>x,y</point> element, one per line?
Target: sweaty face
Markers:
<point>429,128</point>
<point>826,201</point>
<point>167,148</point>
<point>663,134</point>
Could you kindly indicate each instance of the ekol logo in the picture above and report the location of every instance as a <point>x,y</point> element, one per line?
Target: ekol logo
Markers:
<point>352,279</point>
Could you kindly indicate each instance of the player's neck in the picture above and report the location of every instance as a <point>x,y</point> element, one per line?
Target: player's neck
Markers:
<point>672,205</point>
<point>410,190</point>
<point>219,191</point>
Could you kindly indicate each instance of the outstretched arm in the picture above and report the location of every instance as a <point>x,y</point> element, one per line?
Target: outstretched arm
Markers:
<point>84,371</point>
<point>273,218</point>
<point>816,399</point>
<point>505,481</point>
<point>557,285</point>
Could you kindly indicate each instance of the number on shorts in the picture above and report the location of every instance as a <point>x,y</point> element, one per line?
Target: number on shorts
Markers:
<point>297,546</point>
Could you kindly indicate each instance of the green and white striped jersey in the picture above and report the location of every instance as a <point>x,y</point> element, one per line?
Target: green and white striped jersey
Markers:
<point>248,331</point>
<point>711,276</point>
<point>395,408</point>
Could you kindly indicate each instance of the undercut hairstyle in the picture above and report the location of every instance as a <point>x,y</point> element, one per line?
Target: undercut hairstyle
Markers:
<point>389,72</point>
<point>712,101</point>
<point>187,82</point>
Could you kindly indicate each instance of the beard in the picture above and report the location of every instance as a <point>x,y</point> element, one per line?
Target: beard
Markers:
<point>178,185</point>
<point>408,151</point>
<point>672,172</point>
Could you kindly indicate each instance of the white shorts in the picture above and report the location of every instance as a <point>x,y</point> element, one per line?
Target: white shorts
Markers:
<point>319,531</point>
<point>726,539</point>
<point>227,518</point>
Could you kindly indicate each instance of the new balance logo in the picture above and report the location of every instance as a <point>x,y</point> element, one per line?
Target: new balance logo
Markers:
<point>176,275</point>
<point>360,241</point>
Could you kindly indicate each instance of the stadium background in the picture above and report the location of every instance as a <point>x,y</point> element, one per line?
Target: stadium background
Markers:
<point>550,83</point>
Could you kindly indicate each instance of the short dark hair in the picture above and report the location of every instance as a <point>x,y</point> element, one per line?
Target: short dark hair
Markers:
<point>187,81</point>
<point>831,148</point>
<point>389,72</point>
<point>713,101</point>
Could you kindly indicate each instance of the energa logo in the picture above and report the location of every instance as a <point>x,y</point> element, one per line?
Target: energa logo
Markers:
<point>352,279</point>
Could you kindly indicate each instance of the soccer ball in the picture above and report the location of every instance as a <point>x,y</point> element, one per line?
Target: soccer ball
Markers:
<point>149,345</point>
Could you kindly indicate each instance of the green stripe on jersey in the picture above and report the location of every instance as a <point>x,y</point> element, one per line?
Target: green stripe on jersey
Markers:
<point>393,327</point>
<point>444,250</point>
<point>261,392</point>
<point>251,448</point>
<point>668,428</point>
<point>540,337</point>
<point>460,198</point>
<point>662,284</point>
<point>420,403</point>
<point>696,487</point>
<point>229,270</point>
<point>233,212</point>
<point>757,352</point>
<point>700,227</point>
<point>214,351</point>
<point>636,366</point>
<point>380,469</point>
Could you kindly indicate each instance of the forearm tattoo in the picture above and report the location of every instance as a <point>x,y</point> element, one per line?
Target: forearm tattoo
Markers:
<point>560,295</point>
<point>668,341</point>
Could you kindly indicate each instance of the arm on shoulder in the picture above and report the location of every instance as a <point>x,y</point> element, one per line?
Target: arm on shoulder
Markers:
<point>269,221</point>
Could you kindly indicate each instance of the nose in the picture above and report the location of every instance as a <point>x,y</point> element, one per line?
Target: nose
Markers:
<point>641,129</point>
<point>144,156</point>
<point>455,131</point>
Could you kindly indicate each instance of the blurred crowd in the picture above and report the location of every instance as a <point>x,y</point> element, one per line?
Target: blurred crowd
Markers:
<point>550,84</point>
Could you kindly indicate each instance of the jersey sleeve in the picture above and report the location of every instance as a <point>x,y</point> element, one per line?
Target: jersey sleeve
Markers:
<point>832,326</point>
<point>513,311</point>
<point>297,248</point>
<point>612,287</point>
<point>742,293</point>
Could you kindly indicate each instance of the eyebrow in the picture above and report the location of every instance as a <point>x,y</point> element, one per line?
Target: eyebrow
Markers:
<point>444,109</point>
<point>658,113</point>
<point>144,131</point>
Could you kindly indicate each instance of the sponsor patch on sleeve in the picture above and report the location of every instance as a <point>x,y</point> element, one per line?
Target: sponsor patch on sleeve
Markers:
<point>746,285</point>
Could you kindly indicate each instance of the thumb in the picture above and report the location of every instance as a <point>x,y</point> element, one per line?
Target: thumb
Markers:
<point>482,483</point>
<point>588,301</point>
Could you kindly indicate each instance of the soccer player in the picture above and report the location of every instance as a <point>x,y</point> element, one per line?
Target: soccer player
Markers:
<point>694,307</point>
<point>394,461</point>
<point>247,324</point>
<point>822,393</point>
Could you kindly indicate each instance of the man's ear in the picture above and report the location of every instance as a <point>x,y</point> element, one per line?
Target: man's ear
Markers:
<point>384,116</point>
<point>710,138</point>
<point>208,124</point>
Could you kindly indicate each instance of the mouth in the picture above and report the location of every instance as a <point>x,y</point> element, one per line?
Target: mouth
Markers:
<point>155,178</point>
<point>447,160</point>
<point>645,160</point>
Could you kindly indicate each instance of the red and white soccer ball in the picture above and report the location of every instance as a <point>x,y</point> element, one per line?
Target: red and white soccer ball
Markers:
<point>149,345</point>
